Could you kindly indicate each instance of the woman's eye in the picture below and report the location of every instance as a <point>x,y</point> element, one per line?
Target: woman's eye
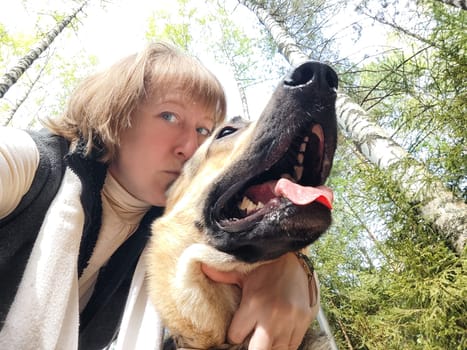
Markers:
<point>170,117</point>
<point>203,131</point>
<point>226,131</point>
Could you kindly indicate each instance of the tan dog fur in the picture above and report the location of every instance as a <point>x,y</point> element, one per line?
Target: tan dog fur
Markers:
<point>177,249</point>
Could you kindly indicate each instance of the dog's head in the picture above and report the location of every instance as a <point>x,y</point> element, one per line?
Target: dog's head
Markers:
<point>256,190</point>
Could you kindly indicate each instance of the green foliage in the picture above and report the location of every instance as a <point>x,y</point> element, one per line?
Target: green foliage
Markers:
<point>162,25</point>
<point>13,45</point>
<point>245,49</point>
<point>398,288</point>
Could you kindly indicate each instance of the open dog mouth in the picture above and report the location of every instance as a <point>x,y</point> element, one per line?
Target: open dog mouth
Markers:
<point>295,179</point>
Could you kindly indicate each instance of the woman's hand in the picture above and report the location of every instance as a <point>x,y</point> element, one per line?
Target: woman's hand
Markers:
<point>275,305</point>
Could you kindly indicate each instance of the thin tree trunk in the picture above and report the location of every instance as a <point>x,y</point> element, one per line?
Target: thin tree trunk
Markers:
<point>324,326</point>
<point>21,100</point>
<point>12,76</point>
<point>343,329</point>
<point>462,4</point>
<point>240,86</point>
<point>437,205</point>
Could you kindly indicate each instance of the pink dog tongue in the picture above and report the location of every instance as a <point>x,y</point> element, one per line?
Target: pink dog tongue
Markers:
<point>302,195</point>
<point>299,195</point>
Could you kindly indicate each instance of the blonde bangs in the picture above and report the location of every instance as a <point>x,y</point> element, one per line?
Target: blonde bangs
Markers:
<point>186,75</point>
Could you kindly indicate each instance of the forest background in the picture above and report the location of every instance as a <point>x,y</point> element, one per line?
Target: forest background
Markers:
<point>392,267</point>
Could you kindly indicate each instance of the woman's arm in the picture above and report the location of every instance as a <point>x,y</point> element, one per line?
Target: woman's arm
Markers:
<point>277,306</point>
<point>19,158</point>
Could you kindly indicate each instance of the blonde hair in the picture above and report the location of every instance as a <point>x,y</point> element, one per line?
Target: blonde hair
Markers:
<point>101,107</point>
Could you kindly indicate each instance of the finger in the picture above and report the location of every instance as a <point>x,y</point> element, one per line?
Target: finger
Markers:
<point>296,338</point>
<point>243,323</point>
<point>261,340</point>
<point>230,277</point>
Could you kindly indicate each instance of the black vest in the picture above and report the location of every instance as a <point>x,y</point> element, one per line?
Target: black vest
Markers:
<point>101,317</point>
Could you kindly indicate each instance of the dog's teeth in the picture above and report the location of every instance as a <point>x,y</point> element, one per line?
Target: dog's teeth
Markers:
<point>303,147</point>
<point>247,205</point>
<point>300,158</point>
<point>298,172</point>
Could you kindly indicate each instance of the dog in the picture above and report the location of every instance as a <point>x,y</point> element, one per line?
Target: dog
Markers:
<point>251,193</point>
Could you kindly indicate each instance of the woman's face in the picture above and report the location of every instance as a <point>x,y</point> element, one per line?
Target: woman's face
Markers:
<point>164,135</point>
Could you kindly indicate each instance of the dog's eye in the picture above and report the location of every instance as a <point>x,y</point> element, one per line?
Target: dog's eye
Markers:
<point>226,132</point>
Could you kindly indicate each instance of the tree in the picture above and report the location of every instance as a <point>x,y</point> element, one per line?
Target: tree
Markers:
<point>420,91</point>
<point>24,63</point>
<point>387,281</point>
<point>436,205</point>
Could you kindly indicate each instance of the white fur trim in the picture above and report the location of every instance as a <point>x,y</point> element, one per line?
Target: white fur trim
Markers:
<point>44,314</point>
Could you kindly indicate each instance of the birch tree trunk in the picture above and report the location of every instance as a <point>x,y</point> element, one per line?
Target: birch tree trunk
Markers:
<point>12,76</point>
<point>240,87</point>
<point>436,204</point>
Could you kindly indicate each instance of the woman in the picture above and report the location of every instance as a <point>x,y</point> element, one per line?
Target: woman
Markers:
<point>76,204</point>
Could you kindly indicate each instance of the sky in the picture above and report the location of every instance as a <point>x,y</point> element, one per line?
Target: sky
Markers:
<point>118,29</point>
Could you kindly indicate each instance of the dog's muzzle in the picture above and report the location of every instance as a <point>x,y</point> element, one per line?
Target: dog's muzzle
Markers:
<point>273,199</point>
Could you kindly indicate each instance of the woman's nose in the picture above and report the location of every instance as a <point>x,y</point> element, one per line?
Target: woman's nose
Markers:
<point>187,145</point>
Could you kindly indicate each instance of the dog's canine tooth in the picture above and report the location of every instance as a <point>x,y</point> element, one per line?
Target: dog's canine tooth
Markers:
<point>298,172</point>
<point>244,204</point>
<point>303,146</point>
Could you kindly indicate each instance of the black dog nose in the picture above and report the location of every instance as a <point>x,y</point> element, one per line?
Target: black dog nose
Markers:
<point>313,72</point>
